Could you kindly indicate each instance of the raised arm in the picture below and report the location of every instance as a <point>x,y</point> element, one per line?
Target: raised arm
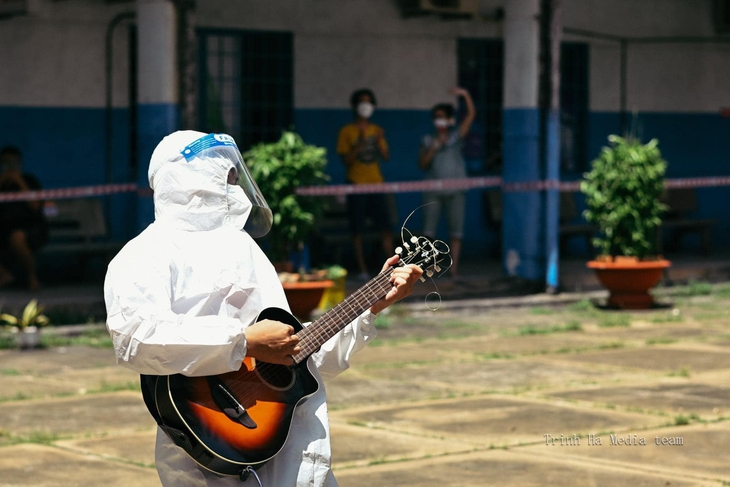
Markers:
<point>471,113</point>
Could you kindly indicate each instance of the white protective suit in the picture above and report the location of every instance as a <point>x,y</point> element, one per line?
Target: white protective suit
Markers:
<point>180,296</point>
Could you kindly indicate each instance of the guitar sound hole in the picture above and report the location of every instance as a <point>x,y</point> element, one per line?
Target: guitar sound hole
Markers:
<point>277,376</point>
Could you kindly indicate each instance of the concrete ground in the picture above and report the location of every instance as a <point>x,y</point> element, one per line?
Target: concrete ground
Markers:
<point>543,390</point>
<point>479,278</point>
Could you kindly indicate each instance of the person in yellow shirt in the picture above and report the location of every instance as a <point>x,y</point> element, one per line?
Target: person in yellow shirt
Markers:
<point>361,145</point>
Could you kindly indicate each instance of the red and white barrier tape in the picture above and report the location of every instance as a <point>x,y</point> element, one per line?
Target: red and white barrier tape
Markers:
<point>490,182</point>
<point>345,189</point>
<point>707,182</point>
<point>64,193</point>
<point>402,186</point>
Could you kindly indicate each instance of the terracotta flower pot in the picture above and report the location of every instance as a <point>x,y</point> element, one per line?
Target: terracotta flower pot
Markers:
<point>305,296</point>
<point>629,280</point>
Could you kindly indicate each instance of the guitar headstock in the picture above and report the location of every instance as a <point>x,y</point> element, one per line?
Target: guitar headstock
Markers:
<point>430,255</point>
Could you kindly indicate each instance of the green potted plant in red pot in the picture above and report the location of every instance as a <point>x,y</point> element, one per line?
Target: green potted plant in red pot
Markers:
<point>623,191</point>
<point>279,168</point>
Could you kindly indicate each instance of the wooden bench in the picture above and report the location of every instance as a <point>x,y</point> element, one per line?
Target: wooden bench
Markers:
<point>682,202</point>
<point>568,213</point>
<point>78,226</point>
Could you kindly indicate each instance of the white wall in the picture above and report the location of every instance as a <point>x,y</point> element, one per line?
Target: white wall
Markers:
<point>54,56</point>
<point>344,45</point>
<point>662,77</point>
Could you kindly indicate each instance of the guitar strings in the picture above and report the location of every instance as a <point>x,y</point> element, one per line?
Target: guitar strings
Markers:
<point>339,316</point>
<point>269,371</point>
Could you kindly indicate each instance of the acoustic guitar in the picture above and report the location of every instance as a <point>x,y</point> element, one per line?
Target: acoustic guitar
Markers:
<point>233,423</point>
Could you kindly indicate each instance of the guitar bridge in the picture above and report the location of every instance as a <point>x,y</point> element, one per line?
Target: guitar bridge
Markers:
<point>229,404</point>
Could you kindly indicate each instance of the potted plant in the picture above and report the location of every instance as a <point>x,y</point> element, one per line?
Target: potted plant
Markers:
<point>279,168</point>
<point>26,329</point>
<point>623,191</point>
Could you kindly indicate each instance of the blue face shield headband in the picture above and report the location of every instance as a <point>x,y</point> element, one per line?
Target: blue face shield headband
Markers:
<point>261,218</point>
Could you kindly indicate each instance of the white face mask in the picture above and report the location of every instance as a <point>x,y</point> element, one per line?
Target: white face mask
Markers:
<point>365,109</point>
<point>441,123</point>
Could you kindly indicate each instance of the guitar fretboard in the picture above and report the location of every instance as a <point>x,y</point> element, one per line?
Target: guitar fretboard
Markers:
<point>329,324</point>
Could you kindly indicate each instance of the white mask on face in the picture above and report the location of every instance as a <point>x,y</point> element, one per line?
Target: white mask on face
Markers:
<point>441,123</point>
<point>365,109</point>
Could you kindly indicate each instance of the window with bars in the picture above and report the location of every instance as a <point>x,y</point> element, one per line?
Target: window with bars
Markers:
<point>722,16</point>
<point>481,66</point>
<point>573,107</point>
<point>246,84</point>
<point>481,71</point>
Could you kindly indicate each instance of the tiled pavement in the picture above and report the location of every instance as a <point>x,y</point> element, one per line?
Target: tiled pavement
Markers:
<point>456,398</point>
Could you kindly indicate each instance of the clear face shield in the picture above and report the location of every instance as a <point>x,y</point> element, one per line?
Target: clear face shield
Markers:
<point>222,149</point>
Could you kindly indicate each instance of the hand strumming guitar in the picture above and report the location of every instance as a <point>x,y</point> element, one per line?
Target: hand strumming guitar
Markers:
<point>272,341</point>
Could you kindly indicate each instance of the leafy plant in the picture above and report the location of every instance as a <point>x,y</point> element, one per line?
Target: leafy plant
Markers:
<point>623,192</point>
<point>279,168</point>
<point>32,316</point>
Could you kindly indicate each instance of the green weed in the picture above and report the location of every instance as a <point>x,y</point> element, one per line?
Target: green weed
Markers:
<point>681,372</point>
<point>660,341</point>
<point>92,338</point>
<point>540,310</point>
<point>534,330</point>
<point>614,320</point>
<point>681,420</point>
<point>582,305</point>
<point>382,322</point>
<point>695,288</point>
<point>722,290</point>
<point>673,317</point>
<point>495,355</point>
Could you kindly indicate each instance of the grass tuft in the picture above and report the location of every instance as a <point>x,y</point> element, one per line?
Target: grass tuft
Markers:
<point>615,320</point>
<point>681,372</point>
<point>582,305</point>
<point>660,341</point>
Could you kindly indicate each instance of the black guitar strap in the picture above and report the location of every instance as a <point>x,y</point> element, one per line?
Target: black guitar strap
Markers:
<point>147,384</point>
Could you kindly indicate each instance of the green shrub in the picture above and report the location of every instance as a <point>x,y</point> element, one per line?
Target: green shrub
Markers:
<point>623,191</point>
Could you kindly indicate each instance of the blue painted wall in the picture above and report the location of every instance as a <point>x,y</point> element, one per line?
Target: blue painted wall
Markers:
<point>403,131</point>
<point>66,147</point>
<point>693,144</point>
<point>524,228</point>
<point>155,121</point>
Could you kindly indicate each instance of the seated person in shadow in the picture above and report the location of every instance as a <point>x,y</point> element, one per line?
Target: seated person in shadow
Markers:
<point>23,227</point>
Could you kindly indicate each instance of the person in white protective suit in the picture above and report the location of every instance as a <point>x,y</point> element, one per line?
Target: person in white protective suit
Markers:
<point>183,295</point>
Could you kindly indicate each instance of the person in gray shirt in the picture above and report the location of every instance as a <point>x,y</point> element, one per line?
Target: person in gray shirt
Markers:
<point>440,157</point>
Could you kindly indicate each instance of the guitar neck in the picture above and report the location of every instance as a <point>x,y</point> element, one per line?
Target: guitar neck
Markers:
<point>329,324</point>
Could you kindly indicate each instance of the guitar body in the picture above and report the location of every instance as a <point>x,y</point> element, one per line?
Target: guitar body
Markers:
<point>234,421</point>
